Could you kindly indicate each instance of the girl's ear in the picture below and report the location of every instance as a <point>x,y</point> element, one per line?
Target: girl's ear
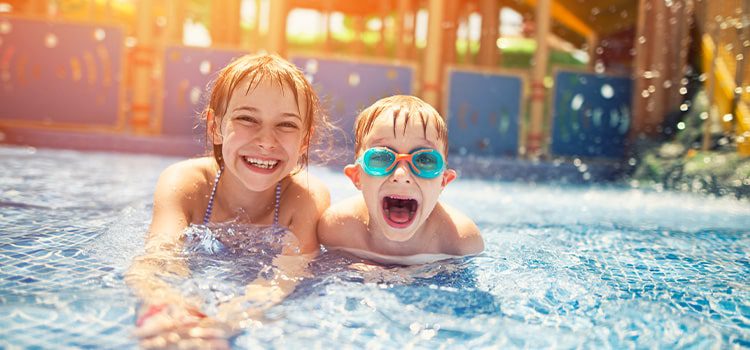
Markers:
<point>353,171</point>
<point>213,129</point>
<point>448,176</point>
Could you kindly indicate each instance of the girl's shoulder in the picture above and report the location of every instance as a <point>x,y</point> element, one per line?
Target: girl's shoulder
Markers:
<point>189,176</point>
<point>305,187</point>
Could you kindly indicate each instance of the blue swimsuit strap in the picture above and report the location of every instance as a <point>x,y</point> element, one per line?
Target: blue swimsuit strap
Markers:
<point>207,215</point>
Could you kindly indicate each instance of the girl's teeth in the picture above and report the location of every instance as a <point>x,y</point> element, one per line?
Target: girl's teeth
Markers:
<point>266,164</point>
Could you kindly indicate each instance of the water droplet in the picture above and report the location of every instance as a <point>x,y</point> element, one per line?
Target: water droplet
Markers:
<point>99,34</point>
<point>727,117</point>
<point>607,91</point>
<point>681,125</point>
<point>205,67</point>
<point>683,90</point>
<point>702,77</point>
<point>738,90</point>
<point>651,89</point>
<point>353,79</point>
<point>704,115</point>
<point>5,27</point>
<point>684,107</point>
<point>599,67</point>
<point>130,42</point>
<point>50,40</point>
<point>577,162</point>
<point>645,93</point>
<point>311,66</point>
<point>195,95</point>
<point>632,161</point>
<point>667,84</point>
<point>576,102</point>
<point>739,57</point>
<point>641,39</point>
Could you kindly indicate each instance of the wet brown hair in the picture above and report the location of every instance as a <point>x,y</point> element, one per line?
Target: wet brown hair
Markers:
<point>258,68</point>
<point>401,105</point>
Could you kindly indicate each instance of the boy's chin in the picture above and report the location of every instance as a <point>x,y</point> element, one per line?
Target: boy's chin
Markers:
<point>398,235</point>
<point>398,232</point>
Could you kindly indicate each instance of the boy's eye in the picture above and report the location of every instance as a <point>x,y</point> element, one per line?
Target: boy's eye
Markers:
<point>425,161</point>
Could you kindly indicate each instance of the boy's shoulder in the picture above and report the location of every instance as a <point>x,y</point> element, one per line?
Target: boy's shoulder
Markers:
<point>344,224</point>
<point>459,234</point>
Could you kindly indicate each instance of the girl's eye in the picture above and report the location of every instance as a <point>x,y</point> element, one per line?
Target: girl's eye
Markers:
<point>247,119</point>
<point>288,125</point>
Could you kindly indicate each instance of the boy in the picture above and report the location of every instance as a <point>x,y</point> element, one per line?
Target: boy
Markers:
<point>400,144</point>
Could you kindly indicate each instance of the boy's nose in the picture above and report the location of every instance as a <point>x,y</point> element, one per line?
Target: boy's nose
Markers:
<point>402,173</point>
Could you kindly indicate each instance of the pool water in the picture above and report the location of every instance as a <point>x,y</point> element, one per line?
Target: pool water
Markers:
<point>564,267</point>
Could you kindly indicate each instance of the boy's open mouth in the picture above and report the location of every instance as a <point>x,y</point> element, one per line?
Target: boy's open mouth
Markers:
<point>261,165</point>
<point>399,212</point>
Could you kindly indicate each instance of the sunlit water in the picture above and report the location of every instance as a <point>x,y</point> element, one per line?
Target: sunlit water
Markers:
<point>567,267</point>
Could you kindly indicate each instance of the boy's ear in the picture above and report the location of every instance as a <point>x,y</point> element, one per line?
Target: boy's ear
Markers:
<point>212,128</point>
<point>448,176</point>
<point>353,171</point>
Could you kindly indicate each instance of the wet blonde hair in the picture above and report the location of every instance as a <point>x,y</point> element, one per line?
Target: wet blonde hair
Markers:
<point>407,106</point>
<point>258,68</point>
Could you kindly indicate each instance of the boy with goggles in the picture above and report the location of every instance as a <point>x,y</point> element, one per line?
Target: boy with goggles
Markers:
<point>400,143</point>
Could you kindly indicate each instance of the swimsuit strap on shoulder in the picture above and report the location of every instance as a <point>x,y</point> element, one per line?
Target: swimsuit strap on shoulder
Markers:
<point>207,215</point>
<point>276,207</point>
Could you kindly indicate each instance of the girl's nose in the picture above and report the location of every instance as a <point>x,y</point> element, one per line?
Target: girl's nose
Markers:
<point>402,174</point>
<point>266,140</point>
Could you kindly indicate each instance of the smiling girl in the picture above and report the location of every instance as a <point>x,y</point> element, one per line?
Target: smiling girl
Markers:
<point>260,119</point>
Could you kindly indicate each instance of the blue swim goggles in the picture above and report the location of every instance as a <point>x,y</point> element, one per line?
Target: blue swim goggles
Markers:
<point>426,163</point>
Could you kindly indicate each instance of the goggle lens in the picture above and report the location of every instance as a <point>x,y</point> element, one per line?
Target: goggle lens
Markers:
<point>381,161</point>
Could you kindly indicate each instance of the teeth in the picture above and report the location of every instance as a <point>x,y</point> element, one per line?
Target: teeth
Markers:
<point>260,163</point>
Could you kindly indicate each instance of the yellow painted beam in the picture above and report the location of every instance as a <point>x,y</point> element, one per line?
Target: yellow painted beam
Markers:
<point>743,129</point>
<point>567,18</point>
<point>724,95</point>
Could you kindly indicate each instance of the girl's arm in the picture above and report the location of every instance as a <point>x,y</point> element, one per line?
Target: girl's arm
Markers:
<point>164,240</point>
<point>166,317</point>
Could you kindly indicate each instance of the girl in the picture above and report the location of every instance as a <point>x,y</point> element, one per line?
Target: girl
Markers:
<point>260,119</point>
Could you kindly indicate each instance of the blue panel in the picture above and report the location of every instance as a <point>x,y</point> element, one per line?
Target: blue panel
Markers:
<point>187,73</point>
<point>346,87</point>
<point>591,115</point>
<point>483,113</point>
<point>60,72</point>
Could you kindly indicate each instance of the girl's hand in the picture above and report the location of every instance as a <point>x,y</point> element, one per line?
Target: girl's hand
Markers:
<point>180,327</point>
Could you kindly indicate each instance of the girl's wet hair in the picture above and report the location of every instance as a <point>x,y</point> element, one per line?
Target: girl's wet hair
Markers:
<point>274,69</point>
<point>400,105</point>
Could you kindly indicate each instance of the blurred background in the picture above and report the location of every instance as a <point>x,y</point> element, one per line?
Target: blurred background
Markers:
<point>652,91</point>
